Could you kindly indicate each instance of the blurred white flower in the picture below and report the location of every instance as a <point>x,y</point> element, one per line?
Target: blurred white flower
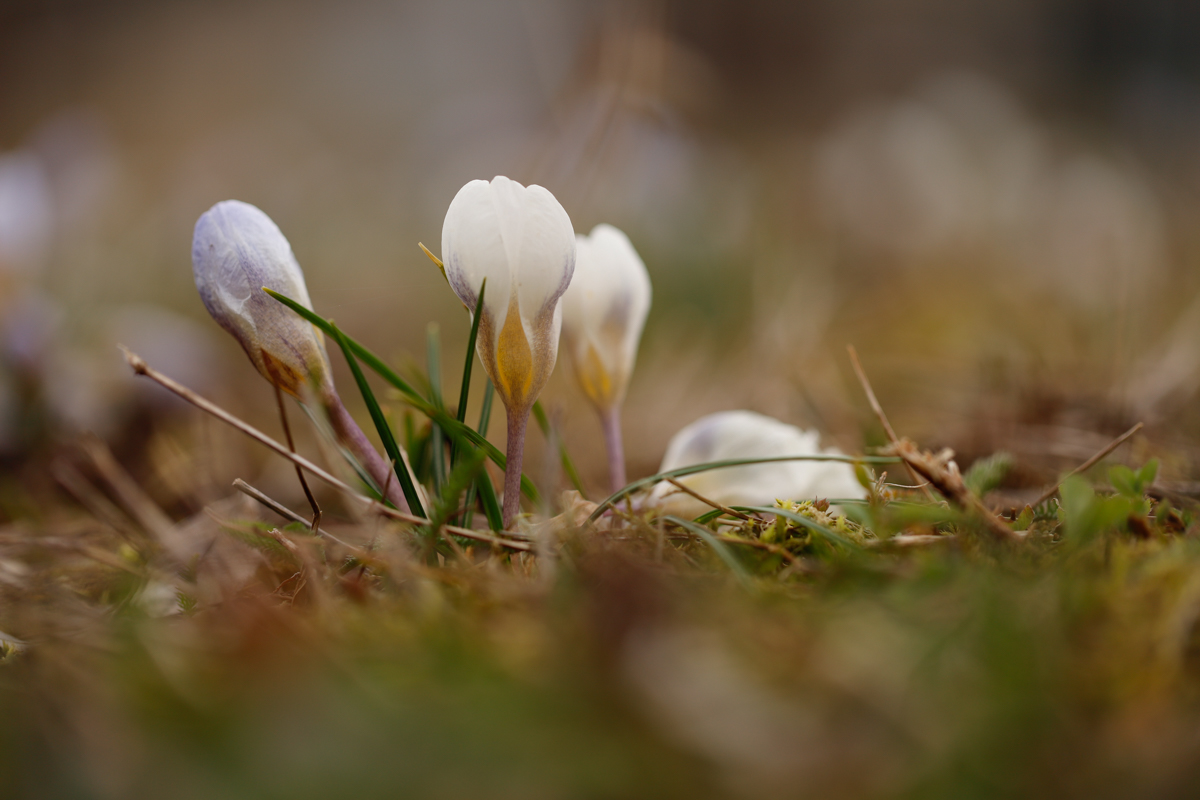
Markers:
<point>521,241</point>
<point>604,311</point>
<point>744,434</point>
<point>236,251</point>
<point>26,212</point>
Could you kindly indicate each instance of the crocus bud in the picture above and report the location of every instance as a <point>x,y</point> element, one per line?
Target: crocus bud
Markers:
<point>236,251</point>
<point>520,239</point>
<point>729,435</point>
<point>604,311</point>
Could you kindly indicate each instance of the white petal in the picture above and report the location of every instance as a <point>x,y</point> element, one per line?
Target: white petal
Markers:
<point>604,311</point>
<point>521,240</point>
<point>745,434</point>
<point>237,250</point>
<point>474,249</point>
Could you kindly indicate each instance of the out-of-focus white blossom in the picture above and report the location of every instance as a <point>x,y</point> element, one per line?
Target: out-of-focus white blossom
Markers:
<point>730,435</point>
<point>604,311</point>
<point>26,212</point>
<point>236,251</point>
<point>521,241</point>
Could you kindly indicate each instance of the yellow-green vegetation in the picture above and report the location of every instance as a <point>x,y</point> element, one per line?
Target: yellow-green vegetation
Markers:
<point>914,659</point>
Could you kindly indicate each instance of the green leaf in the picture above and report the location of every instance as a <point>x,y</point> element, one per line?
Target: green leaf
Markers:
<point>1024,521</point>
<point>449,424</point>
<point>717,545</point>
<point>381,425</point>
<point>986,474</point>
<point>1124,480</point>
<point>459,480</point>
<point>483,483</point>
<point>465,391</point>
<point>1147,474</point>
<point>433,368</point>
<point>1085,515</point>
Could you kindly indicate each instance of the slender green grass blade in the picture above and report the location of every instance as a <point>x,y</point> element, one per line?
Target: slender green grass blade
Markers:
<point>568,465</point>
<point>694,469</point>
<point>449,424</point>
<point>433,368</point>
<point>485,413</point>
<point>800,519</point>
<point>381,425</point>
<point>717,545</point>
<point>464,392</point>
<point>457,482</point>
<point>487,493</point>
<point>491,505</point>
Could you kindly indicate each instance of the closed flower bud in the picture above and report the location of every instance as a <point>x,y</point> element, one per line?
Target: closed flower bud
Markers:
<point>236,251</point>
<point>604,311</point>
<point>520,239</point>
<point>729,435</point>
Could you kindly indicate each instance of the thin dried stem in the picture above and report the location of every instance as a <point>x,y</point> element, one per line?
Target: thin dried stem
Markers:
<point>287,432</point>
<point>1091,462</point>
<point>131,496</point>
<point>878,409</point>
<point>943,474</point>
<point>287,513</point>
<point>758,545</point>
<point>706,501</point>
<point>140,367</point>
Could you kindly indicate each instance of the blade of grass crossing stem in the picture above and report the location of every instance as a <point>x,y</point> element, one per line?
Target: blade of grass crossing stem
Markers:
<point>815,527</point>
<point>693,469</point>
<point>448,423</point>
<point>487,493</point>
<point>381,425</point>
<point>717,545</point>
<point>464,392</point>
<point>433,368</point>
<point>543,422</point>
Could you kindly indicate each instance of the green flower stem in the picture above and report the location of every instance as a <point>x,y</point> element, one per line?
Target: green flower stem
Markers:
<point>354,440</point>
<point>518,419</point>
<point>611,420</point>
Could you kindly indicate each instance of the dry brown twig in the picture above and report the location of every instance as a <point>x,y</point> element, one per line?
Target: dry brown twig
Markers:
<point>943,474</point>
<point>706,501</point>
<point>287,433</point>
<point>882,417</point>
<point>512,540</point>
<point>1091,462</point>
<point>287,513</point>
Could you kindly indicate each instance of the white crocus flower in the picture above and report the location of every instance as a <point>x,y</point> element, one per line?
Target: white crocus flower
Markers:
<point>604,311</point>
<point>521,241</point>
<point>237,251</point>
<point>729,435</point>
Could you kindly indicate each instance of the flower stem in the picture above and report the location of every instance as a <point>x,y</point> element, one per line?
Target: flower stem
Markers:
<point>354,440</point>
<point>517,420</point>
<point>611,421</point>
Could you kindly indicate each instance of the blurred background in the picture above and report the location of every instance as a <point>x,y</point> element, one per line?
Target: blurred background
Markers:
<point>993,201</point>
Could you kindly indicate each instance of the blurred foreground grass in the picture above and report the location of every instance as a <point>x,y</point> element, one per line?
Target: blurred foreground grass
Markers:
<point>627,661</point>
